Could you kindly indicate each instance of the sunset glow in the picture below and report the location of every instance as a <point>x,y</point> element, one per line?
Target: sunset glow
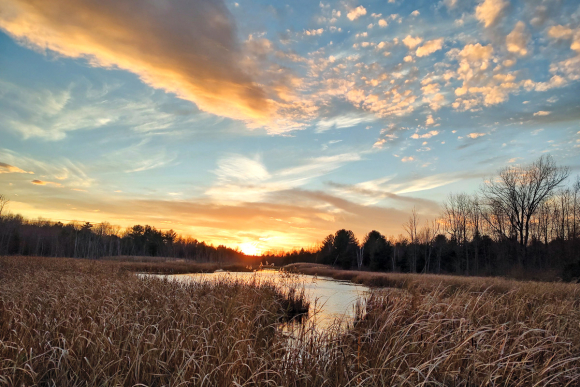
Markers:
<point>250,249</point>
<point>267,125</point>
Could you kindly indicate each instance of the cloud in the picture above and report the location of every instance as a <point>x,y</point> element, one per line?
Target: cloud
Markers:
<point>373,191</point>
<point>242,169</point>
<point>407,159</point>
<point>241,179</point>
<point>184,47</point>
<point>489,11</point>
<point>430,134</point>
<point>383,23</point>
<point>7,168</point>
<point>415,13</point>
<point>430,47</point>
<point>356,13</point>
<point>41,182</point>
<point>450,4</point>
<point>476,135</point>
<point>554,81</point>
<point>560,32</point>
<point>483,84</point>
<point>63,169</point>
<point>435,101</point>
<point>476,52</point>
<point>138,157</point>
<point>517,40</point>
<point>412,42</point>
<point>343,121</point>
<point>542,113</point>
<point>425,183</point>
<point>314,32</point>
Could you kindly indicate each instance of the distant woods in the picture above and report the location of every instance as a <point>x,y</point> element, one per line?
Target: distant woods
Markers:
<point>523,221</point>
<point>19,236</point>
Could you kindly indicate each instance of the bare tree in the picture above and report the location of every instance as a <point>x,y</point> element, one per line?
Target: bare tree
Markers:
<point>456,212</point>
<point>359,256</point>
<point>3,202</point>
<point>519,191</point>
<point>427,237</point>
<point>411,228</point>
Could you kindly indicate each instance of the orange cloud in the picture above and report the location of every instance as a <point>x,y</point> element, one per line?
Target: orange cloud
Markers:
<point>357,12</point>
<point>517,40</point>
<point>41,182</point>
<point>186,47</point>
<point>412,42</point>
<point>430,47</point>
<point>7,168</point>
<point>430,134</point>
<point>489,11</point>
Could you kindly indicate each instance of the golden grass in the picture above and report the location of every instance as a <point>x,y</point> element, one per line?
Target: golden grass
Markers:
<point>70,322</point>
<point>468,339</point>
<point>66,322</point>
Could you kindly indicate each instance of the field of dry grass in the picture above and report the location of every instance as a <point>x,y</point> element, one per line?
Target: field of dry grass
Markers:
<point>66,322</point>
<point>69,322</point>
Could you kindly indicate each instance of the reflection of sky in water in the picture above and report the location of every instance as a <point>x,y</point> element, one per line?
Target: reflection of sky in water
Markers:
<point>330,300</point>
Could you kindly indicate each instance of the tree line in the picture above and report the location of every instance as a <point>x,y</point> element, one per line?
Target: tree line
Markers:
<point>524,221</point>
<point>20,236</point>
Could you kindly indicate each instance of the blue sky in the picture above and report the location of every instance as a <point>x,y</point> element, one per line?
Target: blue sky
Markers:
<point>268,125</point>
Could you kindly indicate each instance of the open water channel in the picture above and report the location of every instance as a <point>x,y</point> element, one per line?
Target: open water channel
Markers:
<point>332,302</point>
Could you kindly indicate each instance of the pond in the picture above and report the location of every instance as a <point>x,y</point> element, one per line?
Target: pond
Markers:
<point>332,302</point>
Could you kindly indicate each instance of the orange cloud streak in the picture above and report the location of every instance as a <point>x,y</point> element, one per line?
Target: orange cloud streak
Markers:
<point>185,47</point>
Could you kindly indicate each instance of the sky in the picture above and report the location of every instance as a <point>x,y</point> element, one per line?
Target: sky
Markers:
<point>267,125</point>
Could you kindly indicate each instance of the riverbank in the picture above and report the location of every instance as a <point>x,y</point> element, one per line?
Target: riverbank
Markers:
<point>161,265</point>
<point>425,283</point>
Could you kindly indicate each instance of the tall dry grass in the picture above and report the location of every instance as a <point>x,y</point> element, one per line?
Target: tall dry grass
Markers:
<point>66,322</point>
<point>468,338</point>
<point>82,323</point>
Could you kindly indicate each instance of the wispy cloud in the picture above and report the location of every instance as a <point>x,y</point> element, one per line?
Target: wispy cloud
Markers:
<point>70,173</point>
<point>242,179</point>
<point>343,121</point>
<point>42,182</point>
<point>542,113</point>
<point>7,168</point>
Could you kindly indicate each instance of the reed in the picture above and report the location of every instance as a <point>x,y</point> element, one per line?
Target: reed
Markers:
<point>66,322</point>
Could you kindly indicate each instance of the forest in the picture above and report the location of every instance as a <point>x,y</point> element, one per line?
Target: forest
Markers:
<point>523,222</point>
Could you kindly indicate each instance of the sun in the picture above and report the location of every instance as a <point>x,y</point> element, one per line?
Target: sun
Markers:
<point>250,248</point>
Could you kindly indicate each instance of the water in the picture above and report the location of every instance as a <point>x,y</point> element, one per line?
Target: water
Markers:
<point>332,302</point>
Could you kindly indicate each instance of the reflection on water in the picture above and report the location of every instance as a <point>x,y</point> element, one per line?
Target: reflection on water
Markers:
<point>331,301</point>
